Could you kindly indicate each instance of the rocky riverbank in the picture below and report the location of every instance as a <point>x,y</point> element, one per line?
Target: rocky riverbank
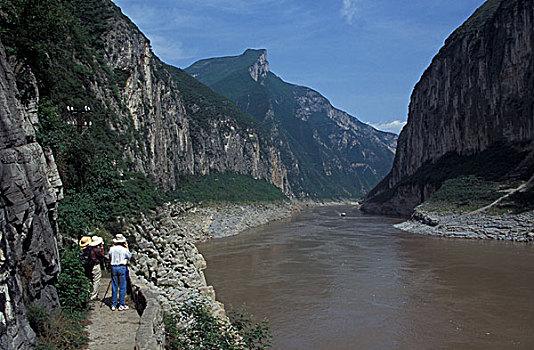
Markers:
<point>519,227</point>
<point>165,257</point>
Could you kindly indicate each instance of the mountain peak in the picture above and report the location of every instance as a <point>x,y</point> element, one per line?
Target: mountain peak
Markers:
<point>257,52</point>
<point>251,61</point>
<point>259,69</point>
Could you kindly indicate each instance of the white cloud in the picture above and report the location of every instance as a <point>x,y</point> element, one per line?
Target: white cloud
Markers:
<point>169,51</point>
<point>394,126</point>
<point>349,10</point>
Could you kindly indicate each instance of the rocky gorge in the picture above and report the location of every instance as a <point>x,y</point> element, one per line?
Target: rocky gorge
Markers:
<point>183,127</point>
<point>474,98</point>
<point>87,106</point>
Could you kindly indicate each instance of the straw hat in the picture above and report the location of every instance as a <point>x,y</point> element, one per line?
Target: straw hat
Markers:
<point>85,241</point>
<point>95,241</point>
<point>119,238</point>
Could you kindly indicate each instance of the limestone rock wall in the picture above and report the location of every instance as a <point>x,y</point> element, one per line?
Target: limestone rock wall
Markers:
<point>258,71</point>
<point>178,136</point>
<point>29,190</point>
<point>476,92</point>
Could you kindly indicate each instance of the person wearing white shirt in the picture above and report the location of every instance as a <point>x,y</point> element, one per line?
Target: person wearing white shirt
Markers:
<point>119,255</point>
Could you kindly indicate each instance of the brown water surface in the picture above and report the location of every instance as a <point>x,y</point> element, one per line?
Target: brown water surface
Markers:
<point>355,282</point>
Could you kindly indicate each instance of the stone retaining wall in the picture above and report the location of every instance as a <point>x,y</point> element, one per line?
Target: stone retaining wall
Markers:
<point>151,332</point>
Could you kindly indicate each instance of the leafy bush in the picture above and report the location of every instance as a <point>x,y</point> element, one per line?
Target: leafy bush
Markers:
<point>104,199</point>
<point>61,331</point>
<point>73,286</point>
<point>255,335</point>
<point>205,331</point>
<point>52,131</point>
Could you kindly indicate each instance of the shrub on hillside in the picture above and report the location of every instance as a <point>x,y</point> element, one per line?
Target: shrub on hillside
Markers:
<point>255,335</point>
<point>73,286</point>
<point>61,331</point>
<point>194,327</point>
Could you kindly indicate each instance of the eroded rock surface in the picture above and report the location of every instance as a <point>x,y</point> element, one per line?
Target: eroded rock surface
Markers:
<point>29,190</point>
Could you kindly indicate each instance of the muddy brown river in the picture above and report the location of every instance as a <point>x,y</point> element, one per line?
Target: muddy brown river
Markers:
<point>355,282</point>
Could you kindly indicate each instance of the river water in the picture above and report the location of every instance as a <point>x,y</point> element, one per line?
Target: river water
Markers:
<point>355,282</point>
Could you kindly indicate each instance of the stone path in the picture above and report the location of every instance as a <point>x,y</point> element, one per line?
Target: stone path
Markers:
<point>111,330</point>
<point>508,194</point>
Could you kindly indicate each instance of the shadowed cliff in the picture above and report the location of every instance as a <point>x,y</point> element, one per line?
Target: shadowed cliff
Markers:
<point>472,112</point>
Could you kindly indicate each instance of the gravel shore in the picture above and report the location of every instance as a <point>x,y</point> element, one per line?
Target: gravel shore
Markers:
<point>519,227</point>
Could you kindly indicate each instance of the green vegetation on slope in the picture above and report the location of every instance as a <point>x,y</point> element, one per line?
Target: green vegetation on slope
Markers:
<point>204,103</point>
<point>209,332</point>
<point>473,179</point>
<point>463,194</point>
<point>64,330</point>
<point>219,69</point>
<point>60,41</point>
<point>468,193</point>
<point>481,16</point>
<point>226,187</point>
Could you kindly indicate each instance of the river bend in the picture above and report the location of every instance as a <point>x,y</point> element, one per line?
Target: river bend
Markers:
<point>330,282</point>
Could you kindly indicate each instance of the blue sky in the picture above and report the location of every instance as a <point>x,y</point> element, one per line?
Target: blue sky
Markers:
<point>365,56</point>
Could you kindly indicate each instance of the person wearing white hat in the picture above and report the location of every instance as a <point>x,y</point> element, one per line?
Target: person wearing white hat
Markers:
<point>96,253</point>
<point>119,255</point>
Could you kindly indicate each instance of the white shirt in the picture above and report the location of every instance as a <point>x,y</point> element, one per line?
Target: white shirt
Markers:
<point>119,255</point>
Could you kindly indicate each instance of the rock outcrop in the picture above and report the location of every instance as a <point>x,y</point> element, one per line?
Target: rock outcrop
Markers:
<point>29,190</point>
<point>327,152</point>
<point>476,95</point>
<point>259,69</point>
<point>516,228</point>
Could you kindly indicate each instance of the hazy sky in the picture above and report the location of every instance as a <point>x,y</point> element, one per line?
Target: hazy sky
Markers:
<point>365,56</point>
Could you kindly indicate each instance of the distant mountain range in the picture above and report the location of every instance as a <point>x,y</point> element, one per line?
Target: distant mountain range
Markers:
<point>327,152</point>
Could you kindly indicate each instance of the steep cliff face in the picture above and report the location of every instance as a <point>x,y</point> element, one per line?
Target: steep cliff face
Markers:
<point>184,127</point>
<point>29,190</point>
<point>475,98</point>
<point>327,152</point>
